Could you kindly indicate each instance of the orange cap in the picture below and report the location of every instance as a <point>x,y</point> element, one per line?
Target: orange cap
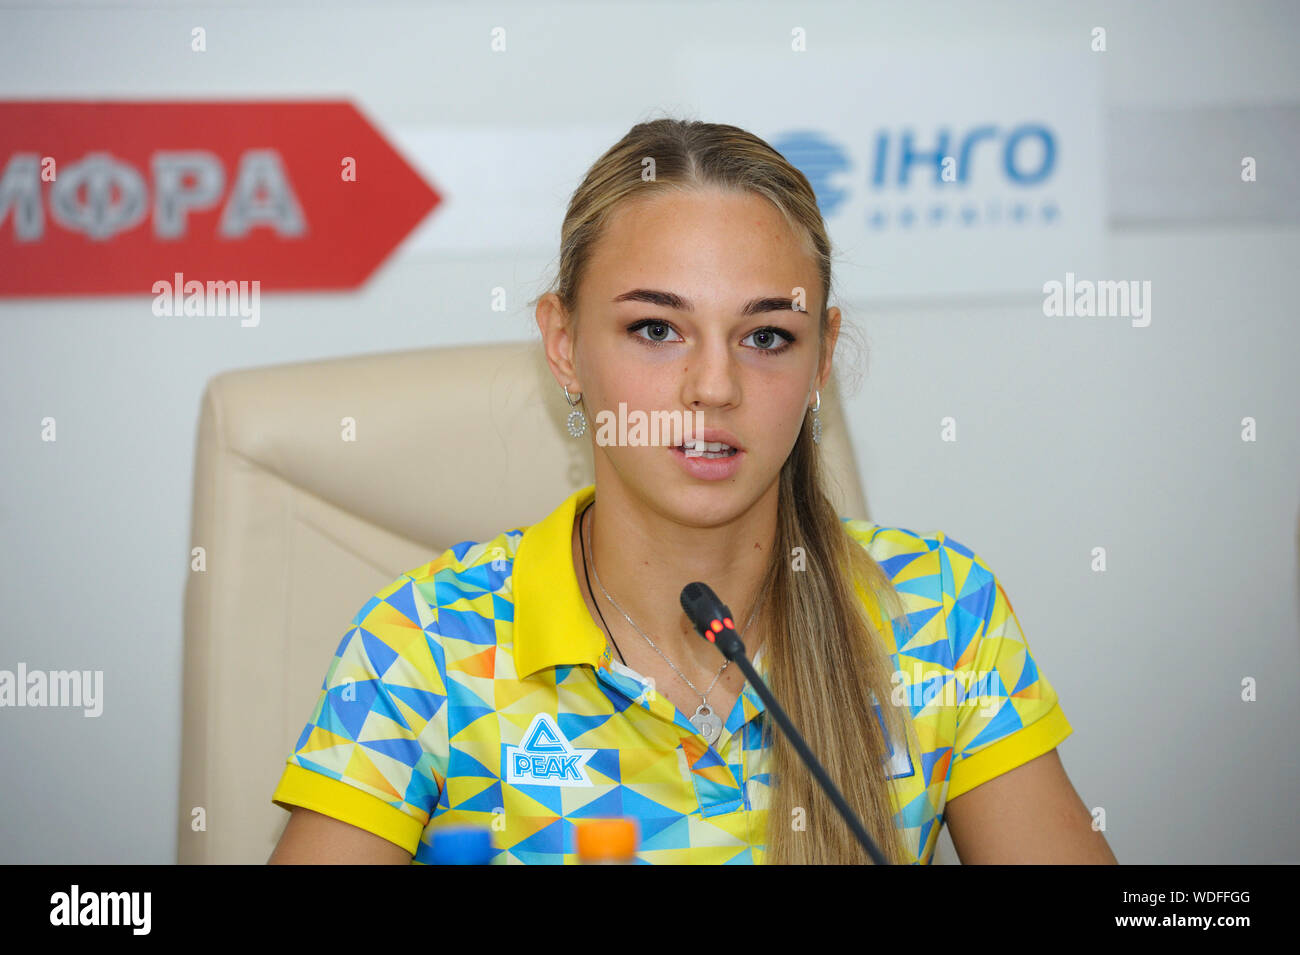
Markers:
<point>608,838</point>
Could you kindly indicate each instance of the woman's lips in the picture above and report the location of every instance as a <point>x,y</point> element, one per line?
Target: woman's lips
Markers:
<point>707,468</point>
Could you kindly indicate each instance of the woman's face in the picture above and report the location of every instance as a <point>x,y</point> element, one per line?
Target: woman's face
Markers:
<point>729,348</point>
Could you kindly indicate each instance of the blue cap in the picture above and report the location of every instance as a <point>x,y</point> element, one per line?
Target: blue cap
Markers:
<point>462,845</point>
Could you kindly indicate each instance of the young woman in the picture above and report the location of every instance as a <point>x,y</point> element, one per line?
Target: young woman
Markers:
<point>549,675</point>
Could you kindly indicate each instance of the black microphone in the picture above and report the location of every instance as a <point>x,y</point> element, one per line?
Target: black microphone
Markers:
<point>712,618</point>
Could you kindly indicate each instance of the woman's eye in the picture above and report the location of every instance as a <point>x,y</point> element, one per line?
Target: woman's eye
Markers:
<point>770,339</point>
<point>658,331</point>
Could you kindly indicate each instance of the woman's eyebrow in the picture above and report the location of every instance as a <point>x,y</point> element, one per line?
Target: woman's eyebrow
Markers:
<point>674,301</point>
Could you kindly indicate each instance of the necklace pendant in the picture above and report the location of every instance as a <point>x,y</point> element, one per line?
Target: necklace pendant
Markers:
<point>707,722</point>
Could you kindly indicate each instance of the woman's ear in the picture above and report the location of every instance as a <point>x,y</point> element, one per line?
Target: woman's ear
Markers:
<point>556,326</point>
<point>828,351</point>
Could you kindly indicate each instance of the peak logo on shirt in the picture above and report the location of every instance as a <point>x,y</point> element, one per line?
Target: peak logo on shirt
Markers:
<point>546,758</point>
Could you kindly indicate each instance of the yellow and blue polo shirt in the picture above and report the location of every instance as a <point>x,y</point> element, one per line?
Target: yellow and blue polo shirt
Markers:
<point>477,690</point>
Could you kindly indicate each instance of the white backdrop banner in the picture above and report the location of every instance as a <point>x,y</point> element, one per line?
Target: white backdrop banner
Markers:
<point>938,175</point>
<point>941,170</point>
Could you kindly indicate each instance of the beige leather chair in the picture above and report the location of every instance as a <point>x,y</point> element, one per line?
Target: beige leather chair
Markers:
<point>300,527</point>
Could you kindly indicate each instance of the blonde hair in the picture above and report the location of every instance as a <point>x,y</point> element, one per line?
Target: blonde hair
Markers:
<point>827,663</point>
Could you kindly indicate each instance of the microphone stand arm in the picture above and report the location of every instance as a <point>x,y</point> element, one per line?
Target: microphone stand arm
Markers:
<point>732,648</point>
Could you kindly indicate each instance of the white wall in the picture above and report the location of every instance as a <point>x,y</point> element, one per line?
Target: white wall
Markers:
<point>1073,434</point>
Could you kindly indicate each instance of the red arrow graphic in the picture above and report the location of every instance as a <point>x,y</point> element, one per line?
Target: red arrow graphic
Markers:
<point>110,197</point>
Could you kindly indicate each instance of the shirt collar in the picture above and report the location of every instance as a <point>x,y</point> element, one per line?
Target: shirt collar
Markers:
<point>552,626</point>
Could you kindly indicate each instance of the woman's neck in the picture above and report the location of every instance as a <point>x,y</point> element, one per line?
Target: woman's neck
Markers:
<point>644,557</point>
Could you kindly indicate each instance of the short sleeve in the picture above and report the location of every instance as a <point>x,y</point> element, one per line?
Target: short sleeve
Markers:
<point>368,755</point>
<point>1009,712</point>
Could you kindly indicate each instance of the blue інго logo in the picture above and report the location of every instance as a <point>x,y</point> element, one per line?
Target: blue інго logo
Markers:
<point>948,177</point>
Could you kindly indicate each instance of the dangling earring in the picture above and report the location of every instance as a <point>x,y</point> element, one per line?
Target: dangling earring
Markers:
<point>817,421</point>
<point>577,420</point>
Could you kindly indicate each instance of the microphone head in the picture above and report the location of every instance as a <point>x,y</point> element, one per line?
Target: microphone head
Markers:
<point>709,615</point>
<point>692,593</point>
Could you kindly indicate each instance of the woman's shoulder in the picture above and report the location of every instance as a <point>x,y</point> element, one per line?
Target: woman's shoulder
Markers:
<point>926,566</point>
<point>468,568</point>
<point>887,540</point>
<point>911,553</point>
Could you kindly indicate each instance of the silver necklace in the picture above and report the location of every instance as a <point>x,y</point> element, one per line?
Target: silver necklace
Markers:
<point>704,720</point>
